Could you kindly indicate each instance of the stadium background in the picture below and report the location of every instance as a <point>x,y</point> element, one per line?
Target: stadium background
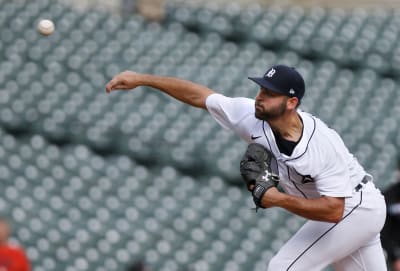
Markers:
<point>92,181</point>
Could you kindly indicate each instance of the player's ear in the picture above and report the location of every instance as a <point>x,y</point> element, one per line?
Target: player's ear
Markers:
<point>292,103</point>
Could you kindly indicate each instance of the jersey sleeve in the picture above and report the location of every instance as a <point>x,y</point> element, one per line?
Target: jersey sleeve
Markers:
<point>230,112</point>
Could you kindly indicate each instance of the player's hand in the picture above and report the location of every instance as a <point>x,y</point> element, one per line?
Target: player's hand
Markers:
<point>124,80</point>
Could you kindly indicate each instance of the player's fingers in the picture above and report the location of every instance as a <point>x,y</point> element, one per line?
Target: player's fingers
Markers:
<point>113,84</point>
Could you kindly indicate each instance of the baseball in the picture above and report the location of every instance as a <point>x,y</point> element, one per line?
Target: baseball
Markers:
<point>46,27</point>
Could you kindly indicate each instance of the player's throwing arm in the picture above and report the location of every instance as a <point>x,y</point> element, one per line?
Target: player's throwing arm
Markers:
<point>183,90</point>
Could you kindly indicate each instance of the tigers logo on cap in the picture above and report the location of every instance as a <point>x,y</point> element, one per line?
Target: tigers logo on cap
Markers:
<point>282,79</point>
<point>270,73</point>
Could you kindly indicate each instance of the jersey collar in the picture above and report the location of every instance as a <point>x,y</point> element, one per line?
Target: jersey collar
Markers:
<point>309,125</point>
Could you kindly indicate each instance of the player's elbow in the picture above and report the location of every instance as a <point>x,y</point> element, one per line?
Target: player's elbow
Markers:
<point>335,219</point>
<point>335,216</point>
<point>336,209</point>
<point>198,98</point>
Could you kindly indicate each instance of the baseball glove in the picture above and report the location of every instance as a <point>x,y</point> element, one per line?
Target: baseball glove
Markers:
<point>259,171</point>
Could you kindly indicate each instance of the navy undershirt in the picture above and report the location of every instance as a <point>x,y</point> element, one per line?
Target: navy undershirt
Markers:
<point>285,146</point>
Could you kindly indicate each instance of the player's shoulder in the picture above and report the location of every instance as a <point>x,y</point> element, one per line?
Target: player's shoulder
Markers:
<point>326,142</point>
<point>234,106</point>
<point>317,135</point>
<point>218,98</point>
<point>234,113</point>
<point>318,127</point>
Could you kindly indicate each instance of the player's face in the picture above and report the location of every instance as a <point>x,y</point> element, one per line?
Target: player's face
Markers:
<point>270,105</point>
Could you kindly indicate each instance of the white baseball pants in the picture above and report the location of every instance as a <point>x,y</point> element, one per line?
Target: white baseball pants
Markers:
<point>353,244</point>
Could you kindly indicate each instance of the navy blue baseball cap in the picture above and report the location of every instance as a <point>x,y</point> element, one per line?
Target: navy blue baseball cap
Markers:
<point>283,80</point>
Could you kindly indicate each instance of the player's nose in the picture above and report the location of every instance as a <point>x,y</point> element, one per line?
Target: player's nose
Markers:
<point>259,96</point>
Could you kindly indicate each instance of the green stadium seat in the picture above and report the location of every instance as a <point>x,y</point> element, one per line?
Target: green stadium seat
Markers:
<point>111,173</point>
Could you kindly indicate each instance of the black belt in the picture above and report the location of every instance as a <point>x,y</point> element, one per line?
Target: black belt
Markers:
<point>361,184</point>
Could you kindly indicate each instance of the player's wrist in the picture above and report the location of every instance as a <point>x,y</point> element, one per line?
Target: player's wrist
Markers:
<point>144,79</point>
<point>273,197</point>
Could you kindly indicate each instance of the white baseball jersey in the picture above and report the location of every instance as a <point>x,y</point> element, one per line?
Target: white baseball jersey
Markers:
<point>320,165</point>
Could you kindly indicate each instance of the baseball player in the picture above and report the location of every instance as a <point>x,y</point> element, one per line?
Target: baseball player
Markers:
<point>320,178</point>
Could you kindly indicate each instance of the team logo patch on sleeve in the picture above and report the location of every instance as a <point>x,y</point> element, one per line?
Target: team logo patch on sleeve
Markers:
<point>307,179</point>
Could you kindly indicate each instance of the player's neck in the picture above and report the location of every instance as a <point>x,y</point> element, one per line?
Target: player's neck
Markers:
<point>289,126</point>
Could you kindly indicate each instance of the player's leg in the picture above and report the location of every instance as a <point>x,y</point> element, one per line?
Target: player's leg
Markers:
<point>369,257</point>
<point>318,244</point>
<point>299,253</point>
<point>315,246</point>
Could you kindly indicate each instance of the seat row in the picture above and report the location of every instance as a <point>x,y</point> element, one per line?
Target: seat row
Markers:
<point>55,87</point>
<point>73,209</point>
<point>352,38</point>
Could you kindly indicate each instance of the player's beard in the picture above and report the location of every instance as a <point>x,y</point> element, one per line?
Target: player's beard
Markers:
<point>271,113</point>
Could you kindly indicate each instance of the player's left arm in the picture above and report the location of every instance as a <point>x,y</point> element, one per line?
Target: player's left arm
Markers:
<point>325,208</point>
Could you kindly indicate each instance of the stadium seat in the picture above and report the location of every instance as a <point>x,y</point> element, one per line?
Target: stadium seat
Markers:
<point>106,178</point>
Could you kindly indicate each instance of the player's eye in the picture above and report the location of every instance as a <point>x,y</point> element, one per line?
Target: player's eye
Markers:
<point>269,93</point>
